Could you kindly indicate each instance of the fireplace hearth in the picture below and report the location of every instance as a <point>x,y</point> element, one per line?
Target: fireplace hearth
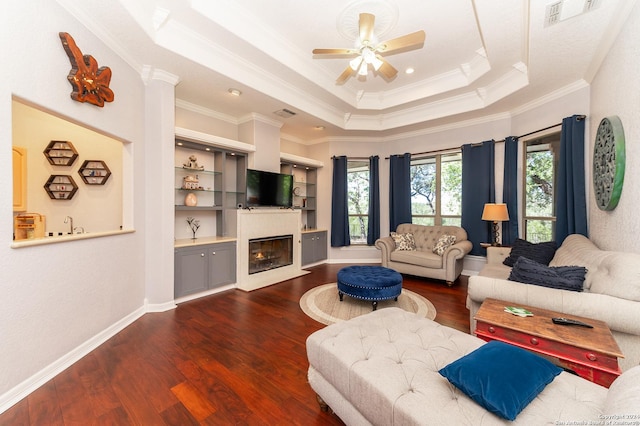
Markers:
<point>270,253</point>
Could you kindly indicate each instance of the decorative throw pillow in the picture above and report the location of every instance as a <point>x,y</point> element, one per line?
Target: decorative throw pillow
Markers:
<point>502,378</point>
<point>444,242</point>
<point>561,277</point>
<point>540,252</point>
<point>404,242</point>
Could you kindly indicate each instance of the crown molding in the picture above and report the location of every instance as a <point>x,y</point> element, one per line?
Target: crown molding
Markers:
<point>218,141</point>
<point>189,106</point>
<point>448,81</point>
<point>260,118</point>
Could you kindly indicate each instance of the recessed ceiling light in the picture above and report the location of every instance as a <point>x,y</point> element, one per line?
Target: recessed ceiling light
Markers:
<point>409,70</point>
<point>235,92</point>
<point>319,127</point>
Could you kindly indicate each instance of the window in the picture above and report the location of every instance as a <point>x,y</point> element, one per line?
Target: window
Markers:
<point>541,162</point>
<point>358,200</point>
<point>436,190</point>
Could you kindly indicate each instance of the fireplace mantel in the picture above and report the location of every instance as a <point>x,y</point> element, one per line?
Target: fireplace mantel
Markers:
<point>262,223</point>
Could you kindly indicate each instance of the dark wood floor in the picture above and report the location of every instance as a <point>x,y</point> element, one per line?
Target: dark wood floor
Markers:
<point>234,358</point>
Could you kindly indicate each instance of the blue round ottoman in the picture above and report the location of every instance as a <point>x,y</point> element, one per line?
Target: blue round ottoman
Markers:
<point>369,283</point>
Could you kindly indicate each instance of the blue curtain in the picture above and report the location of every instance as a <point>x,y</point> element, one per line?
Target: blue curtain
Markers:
<point>510,190</point>
<point>373,227</point>
<point>571,203</point>
<point>399,190</point>
<point>478,188</point>
<point>339,206</point>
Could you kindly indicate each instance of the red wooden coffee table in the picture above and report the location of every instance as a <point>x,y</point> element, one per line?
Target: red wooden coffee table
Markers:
<point>592,353</point>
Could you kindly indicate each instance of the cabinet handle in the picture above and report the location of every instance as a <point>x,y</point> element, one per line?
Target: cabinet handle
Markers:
<point>592,357</point>
<point>534,341</point>
<point>202,254</point>
<point>213,253</point>
<point>492,330</point>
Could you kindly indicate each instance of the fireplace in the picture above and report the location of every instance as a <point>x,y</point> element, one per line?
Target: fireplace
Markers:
<point>270,253</point>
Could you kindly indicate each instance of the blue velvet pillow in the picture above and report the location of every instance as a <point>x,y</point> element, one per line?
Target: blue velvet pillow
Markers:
<point>561,277</point>
<point>502,378</point>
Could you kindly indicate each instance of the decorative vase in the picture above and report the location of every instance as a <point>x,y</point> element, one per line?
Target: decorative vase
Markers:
<point>191,200</point>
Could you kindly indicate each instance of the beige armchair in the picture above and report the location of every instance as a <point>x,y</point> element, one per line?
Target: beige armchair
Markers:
<point>422,261</point>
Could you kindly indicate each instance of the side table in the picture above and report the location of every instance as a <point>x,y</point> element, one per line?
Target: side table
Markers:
<point>592,353</point>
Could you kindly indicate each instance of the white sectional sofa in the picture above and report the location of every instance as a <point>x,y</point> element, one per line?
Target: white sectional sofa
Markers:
<point>611,290</point>
<point>382,368</point>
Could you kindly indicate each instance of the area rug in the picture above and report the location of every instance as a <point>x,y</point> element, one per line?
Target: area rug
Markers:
<point>323,304</point>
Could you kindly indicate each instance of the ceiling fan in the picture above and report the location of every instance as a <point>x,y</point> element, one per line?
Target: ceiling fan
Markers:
<point>372,54</point>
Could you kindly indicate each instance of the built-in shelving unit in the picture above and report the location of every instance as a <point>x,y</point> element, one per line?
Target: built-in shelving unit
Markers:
<point>305,182</point>
<point>209,186</point>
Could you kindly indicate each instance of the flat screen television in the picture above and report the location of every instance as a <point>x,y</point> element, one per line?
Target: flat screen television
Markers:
<point>269,189</point>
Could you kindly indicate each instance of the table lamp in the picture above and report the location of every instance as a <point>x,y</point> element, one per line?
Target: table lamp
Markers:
<point>495,212</point>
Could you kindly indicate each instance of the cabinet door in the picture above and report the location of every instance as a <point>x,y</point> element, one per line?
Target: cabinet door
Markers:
<point>19,179</point>
<point>308,240</point>
<point>320,246</point>
<point>191,270</point>
<point>222,264</point>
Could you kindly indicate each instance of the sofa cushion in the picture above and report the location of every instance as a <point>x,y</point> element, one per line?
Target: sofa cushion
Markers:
<point>404,241</point>
<point>444,242</point>
<point>426,259</point>
<point>502,378</point>
<point>623,397</point>
<point>540,252</point>
<point>562,277</point>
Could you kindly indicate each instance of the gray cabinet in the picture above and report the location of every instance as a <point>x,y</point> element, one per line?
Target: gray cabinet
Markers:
<point>314,247</point>
<point>201,268</point>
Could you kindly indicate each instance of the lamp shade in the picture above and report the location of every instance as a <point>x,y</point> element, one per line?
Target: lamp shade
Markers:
<point>496,212</point>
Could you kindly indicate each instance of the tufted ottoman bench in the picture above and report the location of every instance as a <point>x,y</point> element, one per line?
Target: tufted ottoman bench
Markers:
<point>382,369</point>
<point>369,283</point>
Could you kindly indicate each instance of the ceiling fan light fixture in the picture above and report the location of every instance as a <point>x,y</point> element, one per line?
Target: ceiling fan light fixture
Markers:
<point>355,63</point>
<point>363,69</point>
<point>376,63</point>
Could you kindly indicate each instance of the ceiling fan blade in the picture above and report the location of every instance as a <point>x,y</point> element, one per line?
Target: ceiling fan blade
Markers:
<point>386,68</point>
<point>406,42</point>
<point>335,52</point>
<point>345,75</point>
<point>366,27</point>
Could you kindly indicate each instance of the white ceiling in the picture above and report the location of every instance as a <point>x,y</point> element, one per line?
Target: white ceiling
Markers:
<point>480,58</point>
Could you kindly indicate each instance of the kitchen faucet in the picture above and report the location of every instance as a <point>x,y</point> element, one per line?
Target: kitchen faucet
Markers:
<point>69,220</point>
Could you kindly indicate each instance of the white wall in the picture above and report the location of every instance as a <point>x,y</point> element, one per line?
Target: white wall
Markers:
<point>615,91</point>
<point>59,297</point>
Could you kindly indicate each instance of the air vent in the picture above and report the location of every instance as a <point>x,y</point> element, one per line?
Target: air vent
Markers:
<point>564,9</point>
<point>552,15</point>
<point>284,113</point>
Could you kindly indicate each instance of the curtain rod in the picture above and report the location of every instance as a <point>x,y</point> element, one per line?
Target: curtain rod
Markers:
<point>442,151</point>
<point>333,157</point>
<point>579,118</point>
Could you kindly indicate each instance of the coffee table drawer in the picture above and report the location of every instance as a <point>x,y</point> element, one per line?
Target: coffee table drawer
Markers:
<point>548,347</point>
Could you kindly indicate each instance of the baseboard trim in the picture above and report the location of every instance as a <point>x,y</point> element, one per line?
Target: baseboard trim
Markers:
<point>22,390</point>
<point>159,307</point>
